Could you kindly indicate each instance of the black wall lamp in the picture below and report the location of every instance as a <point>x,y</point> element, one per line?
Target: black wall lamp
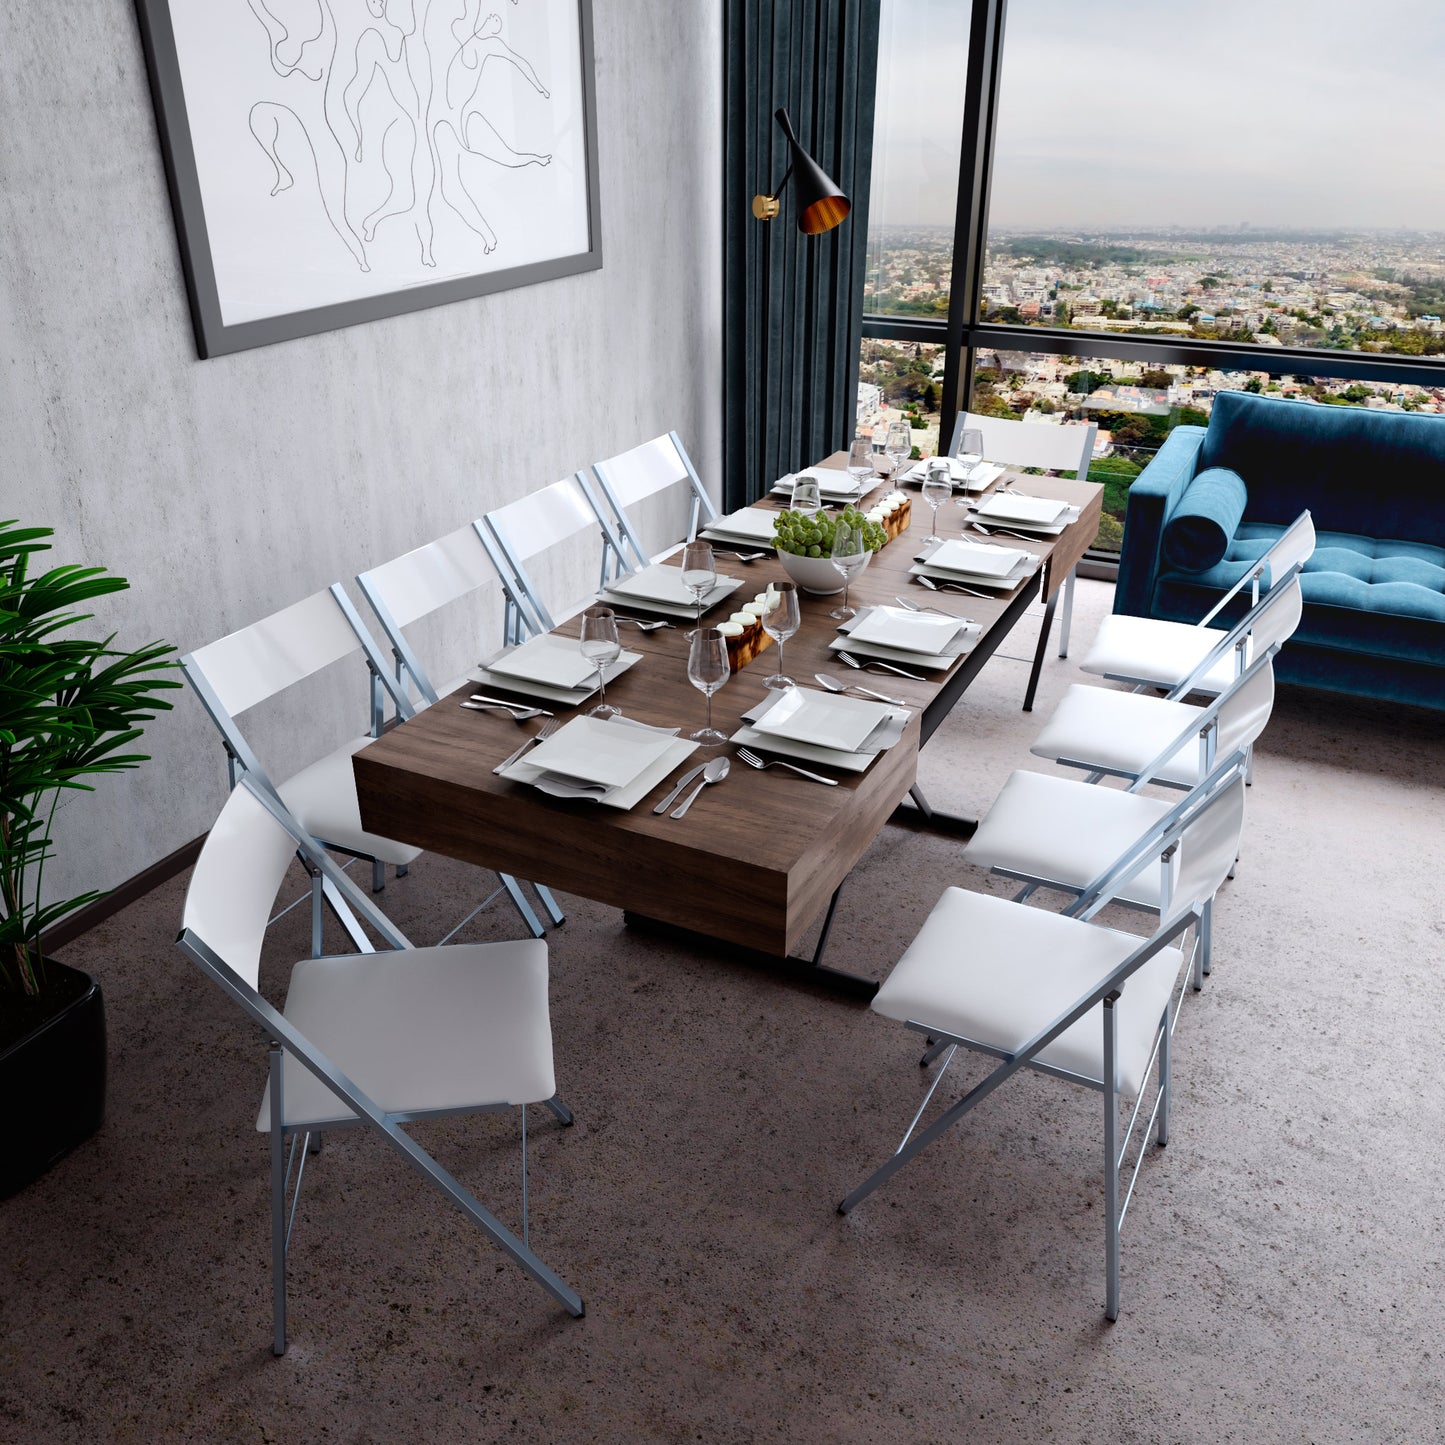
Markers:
<point>821,205</point>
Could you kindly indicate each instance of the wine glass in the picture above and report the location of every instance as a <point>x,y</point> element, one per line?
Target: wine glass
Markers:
<point>601,648</point>
<point>937,489</point>
<point>969,450</point>
<point>699,572</point>
<point>807,494</point>
<point>781,619</point>
<point>850,553</point>
<point>707,670</point>
<point>860,461</point>
<point>898,444</point>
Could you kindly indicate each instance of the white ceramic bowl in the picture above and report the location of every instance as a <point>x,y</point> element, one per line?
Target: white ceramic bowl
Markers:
<point>816,575</point>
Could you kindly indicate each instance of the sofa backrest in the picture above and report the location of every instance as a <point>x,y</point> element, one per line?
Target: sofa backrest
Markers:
<point>1377,473</point>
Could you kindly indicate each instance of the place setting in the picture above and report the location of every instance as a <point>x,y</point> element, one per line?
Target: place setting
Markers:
<point>982,567</point>
<point>932,641</point>
<point>685,592</point>
<point>831,728</point>
<point>551,668</point>
<point>1012,510</point>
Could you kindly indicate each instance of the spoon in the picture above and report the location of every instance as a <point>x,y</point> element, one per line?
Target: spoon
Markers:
<point>644,626</point>
<point>744,556</point>
<point>830,682</point>
<point>715,772</point>
<point>933,586</point>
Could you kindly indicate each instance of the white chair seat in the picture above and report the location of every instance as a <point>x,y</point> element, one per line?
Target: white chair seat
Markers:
<point>962,975</point>
<point>323,800</point>
<point>1069,832</point>
<point>1149,649</point>
<point>1120,731</point>
<point>427,1028</point>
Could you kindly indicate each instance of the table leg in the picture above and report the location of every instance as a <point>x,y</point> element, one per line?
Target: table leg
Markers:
<point>1039,653</point>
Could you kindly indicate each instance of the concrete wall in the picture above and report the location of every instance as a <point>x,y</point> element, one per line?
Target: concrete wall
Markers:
<point>225,489</point>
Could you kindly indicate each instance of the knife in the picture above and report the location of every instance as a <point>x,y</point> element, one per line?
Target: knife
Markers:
<point>682,782</point>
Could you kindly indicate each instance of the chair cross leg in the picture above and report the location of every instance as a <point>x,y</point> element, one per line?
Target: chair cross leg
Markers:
<point>1111,1156</point>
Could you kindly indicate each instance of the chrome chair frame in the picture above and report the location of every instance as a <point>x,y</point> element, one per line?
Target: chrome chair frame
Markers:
<point>1107,993</point>
<point>285,1038</point>
<point>241,759</point>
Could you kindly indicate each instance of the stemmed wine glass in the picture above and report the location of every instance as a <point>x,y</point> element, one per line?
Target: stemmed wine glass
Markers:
<point>898,444</point>
<point>937,489</point>
<point>781,620</point>
<point>807,494</point>
<point>707,670</point>
<point>850,552</point>
<point>969,450</point>
<point>600,646</point>
<point>860,460</point>
<point>699,573</point>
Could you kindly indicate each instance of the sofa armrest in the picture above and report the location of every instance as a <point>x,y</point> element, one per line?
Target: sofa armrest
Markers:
<point>1153,494</point>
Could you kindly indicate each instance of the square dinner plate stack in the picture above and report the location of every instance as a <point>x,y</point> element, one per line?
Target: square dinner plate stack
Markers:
<point>823,727</point>
<point>614,761</point>
<point>1046,516</point>
<point>548,668</point>
<point>915,639</point>
<point>987,566</point>
<point>658,589</point>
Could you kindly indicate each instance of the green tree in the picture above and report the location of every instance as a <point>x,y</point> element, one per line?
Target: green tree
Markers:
<point>1157,378</point>
<point>1254,384</point>
<point>1085,382</point>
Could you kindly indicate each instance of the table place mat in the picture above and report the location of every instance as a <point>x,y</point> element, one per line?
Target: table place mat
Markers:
<point>822,718</point>
<point>971,479</point>
<point>747,524</point>
<point>1016,507</point>
<point>972,559</point>
<point>676,751</point>
<point>547,658</point>
<point>483,675</point>
<point>895,627</point>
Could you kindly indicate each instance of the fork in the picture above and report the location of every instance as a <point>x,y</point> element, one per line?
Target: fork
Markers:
<point>545,731</point>
<point>874,662</point>
<point>640,623</point>
<point>754,761</point>
<point>742,556</point>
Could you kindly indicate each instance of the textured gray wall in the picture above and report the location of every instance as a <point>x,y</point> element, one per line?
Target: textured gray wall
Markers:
<point>225,489</point>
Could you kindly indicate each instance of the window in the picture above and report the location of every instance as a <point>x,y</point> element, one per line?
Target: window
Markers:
<point>1175,208</point>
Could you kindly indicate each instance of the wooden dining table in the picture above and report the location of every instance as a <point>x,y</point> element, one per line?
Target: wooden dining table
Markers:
<point>759,857</point>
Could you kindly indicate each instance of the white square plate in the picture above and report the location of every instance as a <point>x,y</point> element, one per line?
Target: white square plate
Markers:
<point>752,524</point>
<point>547,658</point>
<point>843,723</point>
<point>1011,507</point>
<point>833,485</point>
<point>592,749</point>
<point>975,559</point>
<point>910,631</point>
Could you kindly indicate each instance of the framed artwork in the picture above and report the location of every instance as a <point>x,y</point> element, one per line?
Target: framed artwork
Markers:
<point>337,161</point>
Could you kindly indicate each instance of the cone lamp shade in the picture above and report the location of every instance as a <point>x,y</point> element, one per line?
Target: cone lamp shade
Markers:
<point>821,205</point>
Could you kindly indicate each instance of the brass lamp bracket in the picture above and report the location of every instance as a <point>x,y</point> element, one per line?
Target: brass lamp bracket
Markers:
<point>766,207</point>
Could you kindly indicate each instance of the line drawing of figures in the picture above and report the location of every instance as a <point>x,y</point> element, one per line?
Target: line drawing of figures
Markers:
<point>268,122</point>
<point>413,71</point>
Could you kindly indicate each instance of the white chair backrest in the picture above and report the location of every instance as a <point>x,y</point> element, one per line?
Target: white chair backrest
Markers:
<point>1208,846</point>
<point>427,578</point>
<point>1294,547</point>
<point>235,882</point>
<point>256,662</point>
<point>542,519</point>
<point>1063,448</point>
<point>1245,709</point>
<point>633,476</point>
<point>1277,615</point>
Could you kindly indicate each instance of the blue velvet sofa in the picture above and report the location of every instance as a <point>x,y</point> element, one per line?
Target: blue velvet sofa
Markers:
<point>1374,481</point>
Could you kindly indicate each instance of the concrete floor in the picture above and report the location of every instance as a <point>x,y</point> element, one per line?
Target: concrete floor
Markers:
<point>1282,1261</point>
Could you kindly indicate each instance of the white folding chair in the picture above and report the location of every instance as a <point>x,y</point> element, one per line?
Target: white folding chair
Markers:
<point>1152,652</point>
<point>416,585</point>
<point>519,532</point>
<point>1063,448</point>
<point>1165,740</point>
<point>245,668</point>
<point>1061,995</point>
<point>369,1039</point>
<point>628,480</point>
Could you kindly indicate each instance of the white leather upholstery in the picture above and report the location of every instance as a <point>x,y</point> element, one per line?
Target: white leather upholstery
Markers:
<point>1068,831</point>
<point>1124,732</point>
<point>997,972</point>
<point>1152,650</point>
<point>425,1028</point>
<point>1057,448</point>
<point>322,798</point>
<point>420,581</point>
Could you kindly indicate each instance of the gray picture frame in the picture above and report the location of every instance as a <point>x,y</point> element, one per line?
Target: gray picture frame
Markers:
<point>214,337</point>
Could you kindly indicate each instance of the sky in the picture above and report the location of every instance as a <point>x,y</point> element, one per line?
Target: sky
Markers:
<point>1118,113</point>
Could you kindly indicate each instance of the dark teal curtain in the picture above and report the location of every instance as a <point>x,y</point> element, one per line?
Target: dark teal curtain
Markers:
<point>793,304</point>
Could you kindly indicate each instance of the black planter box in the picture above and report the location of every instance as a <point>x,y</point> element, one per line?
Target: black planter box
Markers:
<point>53,1085</point>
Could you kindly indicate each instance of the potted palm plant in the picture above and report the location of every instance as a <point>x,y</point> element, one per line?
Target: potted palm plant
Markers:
<point>69,710</point>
